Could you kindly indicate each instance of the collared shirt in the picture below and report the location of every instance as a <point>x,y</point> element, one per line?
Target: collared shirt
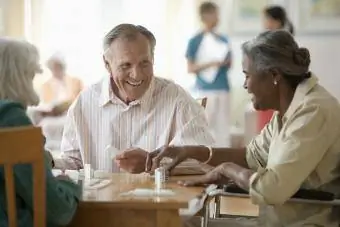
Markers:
<point>302,152</point>
<point>165,115</point>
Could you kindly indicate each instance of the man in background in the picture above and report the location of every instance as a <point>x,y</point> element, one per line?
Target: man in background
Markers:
<point>209,58</point>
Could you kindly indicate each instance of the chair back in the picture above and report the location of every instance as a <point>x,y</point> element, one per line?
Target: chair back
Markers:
<point>202,101</point>
<point>24,145</point>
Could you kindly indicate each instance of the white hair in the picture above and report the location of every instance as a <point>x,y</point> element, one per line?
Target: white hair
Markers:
<point>57,58</point>
<point>19,62</point>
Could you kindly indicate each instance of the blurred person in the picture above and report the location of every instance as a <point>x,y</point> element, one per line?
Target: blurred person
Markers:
<point>60,90</point>
<point>275,17</point>
<point>114,123</point>
<point>56,96</point>
<point>298,149</point>
<point>19,62</point>
<point>209,58</point>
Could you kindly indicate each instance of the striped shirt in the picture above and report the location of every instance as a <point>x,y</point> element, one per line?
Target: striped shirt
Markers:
<point>165,115</point>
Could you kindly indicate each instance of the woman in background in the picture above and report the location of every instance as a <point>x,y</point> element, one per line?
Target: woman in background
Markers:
<point>19,62</point>
<point>275,17</point>
<point>61,89</point>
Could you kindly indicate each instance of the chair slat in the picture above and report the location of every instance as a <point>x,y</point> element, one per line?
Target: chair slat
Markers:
<point>39,203</point>
<point>10,193</point>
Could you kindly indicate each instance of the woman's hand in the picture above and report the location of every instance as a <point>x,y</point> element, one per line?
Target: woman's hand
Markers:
<point>215,176</point>
<point>177,154</point>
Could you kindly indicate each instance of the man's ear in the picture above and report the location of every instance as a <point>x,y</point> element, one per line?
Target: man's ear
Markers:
<point>107,64</point>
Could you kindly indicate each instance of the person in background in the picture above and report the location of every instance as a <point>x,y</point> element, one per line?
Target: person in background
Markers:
<point>275,17</point>
<point>114,123</point>
<point>212,71</point>
<point>60,90</point>
<point>19,62</point>
<point>298,149</point>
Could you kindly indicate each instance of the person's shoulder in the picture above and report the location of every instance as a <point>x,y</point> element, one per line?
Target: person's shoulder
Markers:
<point>223,37</point>
<point>88,95</point>
<point>46,82</point>
<point>163,85</point>
<point>13,114</point>
<point>322,99</point>
<point>196,37</point>
<point>73,79</point>
<point>168,88</point>
<point>93,89</point>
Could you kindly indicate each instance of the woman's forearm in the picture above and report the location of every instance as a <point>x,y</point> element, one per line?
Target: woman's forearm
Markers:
<point>219,155</point>
<point>239,175</point>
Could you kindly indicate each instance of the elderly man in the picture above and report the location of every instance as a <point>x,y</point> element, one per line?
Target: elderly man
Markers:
<point>130,111</point>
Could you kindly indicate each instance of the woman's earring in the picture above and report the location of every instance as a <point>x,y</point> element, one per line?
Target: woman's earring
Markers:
<point>275,82</point>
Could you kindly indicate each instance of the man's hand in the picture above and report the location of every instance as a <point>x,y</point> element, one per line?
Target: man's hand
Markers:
<point>215,176</point>
<point>132,160</point>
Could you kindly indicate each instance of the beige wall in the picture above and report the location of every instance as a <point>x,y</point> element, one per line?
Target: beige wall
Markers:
<point>13,13</point>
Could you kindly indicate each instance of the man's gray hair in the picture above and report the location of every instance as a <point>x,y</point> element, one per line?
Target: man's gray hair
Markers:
<point>18,66</point>
<point>130,32</point>
<point>278,50</point>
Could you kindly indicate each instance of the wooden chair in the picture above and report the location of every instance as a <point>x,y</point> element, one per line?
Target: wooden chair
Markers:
<point>202,101</point>
<point>20,146</point>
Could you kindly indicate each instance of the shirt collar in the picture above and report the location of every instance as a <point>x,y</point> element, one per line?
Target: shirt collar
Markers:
<point>107,96</point>
<point>301,91</point>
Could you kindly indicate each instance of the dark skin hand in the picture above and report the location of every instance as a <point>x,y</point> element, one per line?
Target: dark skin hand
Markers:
<point>223,174</point>
<point>200,153</point>
<point>230,164</point>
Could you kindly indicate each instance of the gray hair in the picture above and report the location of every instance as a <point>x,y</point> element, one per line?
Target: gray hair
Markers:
<point>278,50</point>
<point>18,66</point>
<point>129,32</point>
<point>57,58</point>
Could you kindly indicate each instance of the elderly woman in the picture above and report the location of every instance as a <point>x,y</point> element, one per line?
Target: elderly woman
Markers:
<point>60,88</point>
<point>18,66</point>
<point>298,148</point>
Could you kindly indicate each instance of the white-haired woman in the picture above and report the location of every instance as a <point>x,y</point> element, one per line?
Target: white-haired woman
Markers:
<point>19,62</point>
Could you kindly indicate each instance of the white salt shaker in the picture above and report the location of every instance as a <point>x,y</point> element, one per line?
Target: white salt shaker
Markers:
<point>161,177</point>
<point>88,172</point>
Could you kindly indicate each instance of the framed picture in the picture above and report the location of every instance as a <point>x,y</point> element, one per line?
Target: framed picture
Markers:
<point>247,16</point>
<point>317,16</point>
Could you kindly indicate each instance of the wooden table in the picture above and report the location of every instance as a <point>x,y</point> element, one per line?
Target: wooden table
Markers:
<point>107,207</point>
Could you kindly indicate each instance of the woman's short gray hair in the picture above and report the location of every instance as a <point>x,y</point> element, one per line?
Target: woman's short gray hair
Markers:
<point>19,62</point>
<point>278,50</point>
<point>130,32</point>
